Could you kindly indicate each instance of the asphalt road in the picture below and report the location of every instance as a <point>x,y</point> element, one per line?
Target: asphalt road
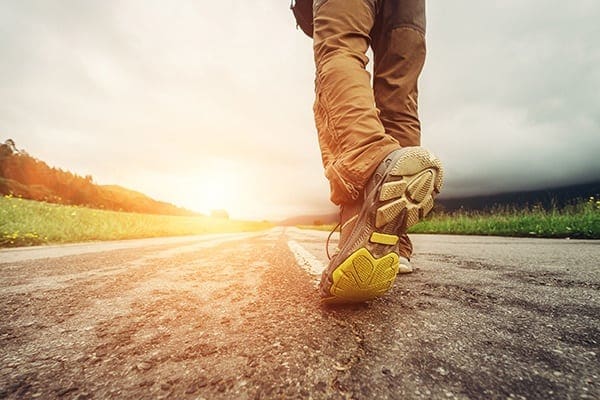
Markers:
<point>238,317</point>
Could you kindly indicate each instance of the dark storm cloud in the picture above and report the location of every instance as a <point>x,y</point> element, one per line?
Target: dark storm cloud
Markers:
<point>511,93</point>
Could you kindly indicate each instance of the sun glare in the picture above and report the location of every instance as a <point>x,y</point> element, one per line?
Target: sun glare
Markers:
<point>217,189</point>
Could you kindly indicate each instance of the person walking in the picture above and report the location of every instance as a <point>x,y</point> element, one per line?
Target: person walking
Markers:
<point>369,137</point>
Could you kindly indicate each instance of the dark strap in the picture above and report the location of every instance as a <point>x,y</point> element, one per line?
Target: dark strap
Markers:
<point>303,11</point>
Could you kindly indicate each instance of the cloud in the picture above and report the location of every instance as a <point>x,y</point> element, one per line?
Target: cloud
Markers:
<point>509,94</point>
<point>140,92</point>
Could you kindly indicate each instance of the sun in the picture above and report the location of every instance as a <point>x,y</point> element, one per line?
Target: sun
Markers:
<point>216,189</point>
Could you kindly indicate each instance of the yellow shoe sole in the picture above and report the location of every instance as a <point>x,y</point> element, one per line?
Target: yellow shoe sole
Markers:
<point>362,277</point>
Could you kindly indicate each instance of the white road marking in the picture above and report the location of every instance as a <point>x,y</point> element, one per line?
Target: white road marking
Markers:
<point>306,259</point>
<point>303,234</point>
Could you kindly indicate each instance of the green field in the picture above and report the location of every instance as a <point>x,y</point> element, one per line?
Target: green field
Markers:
<point>578,221</point>
<point>28,223</point>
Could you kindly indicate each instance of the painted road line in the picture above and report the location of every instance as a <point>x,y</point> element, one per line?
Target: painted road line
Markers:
<point>306,259</point>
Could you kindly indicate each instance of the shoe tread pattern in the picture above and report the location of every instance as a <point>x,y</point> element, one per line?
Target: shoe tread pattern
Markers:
<point>362,277</point>
<point>418,178</point>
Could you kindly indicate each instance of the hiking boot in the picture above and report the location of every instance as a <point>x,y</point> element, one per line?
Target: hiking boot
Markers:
<point>349,216</point>
<point>397,196</point>
<point>404,250</point>
<point>404,265</point>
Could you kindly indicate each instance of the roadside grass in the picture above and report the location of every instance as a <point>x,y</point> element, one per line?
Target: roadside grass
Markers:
<point>580,220</point>
<point>29,223</point>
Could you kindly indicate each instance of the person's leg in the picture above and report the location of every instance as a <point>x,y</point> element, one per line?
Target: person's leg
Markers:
<point>399,54</point>
<point>352,138</point>
<point>389,187</point>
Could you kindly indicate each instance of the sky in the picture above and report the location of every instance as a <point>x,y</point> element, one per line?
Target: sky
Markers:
<point>208,104</point>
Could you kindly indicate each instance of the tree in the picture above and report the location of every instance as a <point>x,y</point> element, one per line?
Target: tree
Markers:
<point>11,145</point>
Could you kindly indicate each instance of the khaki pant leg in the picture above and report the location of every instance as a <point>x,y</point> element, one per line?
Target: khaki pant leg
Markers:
<point>351,136</point>
<point>399,55</point>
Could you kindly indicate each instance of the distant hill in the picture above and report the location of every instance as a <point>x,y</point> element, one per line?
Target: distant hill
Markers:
<point>313,219</point>
<point>24,176</point>
<point>547,198</point>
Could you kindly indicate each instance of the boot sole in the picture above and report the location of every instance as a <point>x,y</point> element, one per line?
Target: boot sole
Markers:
<point>405,197</point>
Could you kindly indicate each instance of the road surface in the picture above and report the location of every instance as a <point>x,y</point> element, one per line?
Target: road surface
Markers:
<point>236,316</point>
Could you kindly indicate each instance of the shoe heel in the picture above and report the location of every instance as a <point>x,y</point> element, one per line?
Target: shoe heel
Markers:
<point>363,277</point>
<point>421,178</point>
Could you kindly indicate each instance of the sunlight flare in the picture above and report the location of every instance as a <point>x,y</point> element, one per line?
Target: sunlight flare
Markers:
<point>217,188</point>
